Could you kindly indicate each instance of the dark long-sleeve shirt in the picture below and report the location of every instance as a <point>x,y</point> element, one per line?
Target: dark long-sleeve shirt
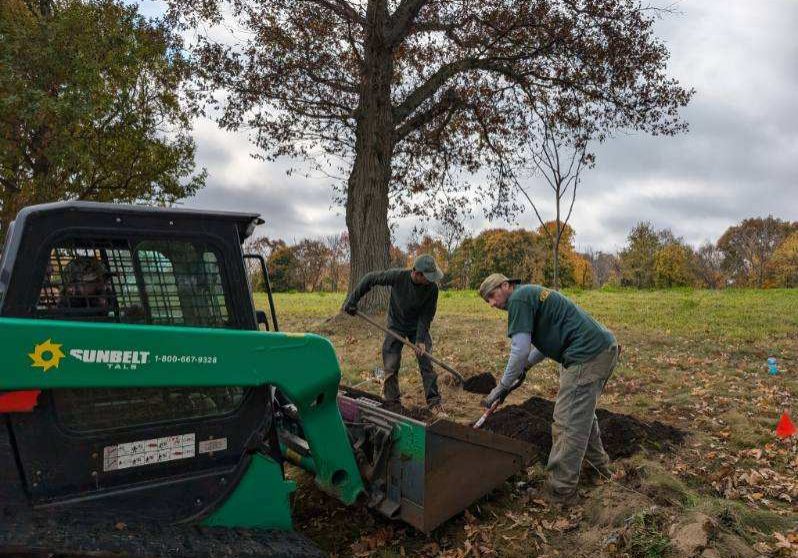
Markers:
<point>411,307</point>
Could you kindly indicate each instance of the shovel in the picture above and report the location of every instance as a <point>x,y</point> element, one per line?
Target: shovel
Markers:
<point>486,414</point>
<point>492,409</point>
<point>449,369</point>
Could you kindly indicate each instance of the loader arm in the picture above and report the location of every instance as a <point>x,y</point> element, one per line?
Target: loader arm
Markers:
<point>45,354</point>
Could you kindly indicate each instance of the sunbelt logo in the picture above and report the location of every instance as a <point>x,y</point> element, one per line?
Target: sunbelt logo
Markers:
<point>48,355</point>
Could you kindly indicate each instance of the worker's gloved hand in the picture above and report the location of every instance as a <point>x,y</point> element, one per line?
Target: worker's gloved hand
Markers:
<point>499,393</point>
<point>350,309</point>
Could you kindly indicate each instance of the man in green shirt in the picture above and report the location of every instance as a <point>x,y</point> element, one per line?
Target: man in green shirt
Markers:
<point>414,299</point>
<point>542,323</point>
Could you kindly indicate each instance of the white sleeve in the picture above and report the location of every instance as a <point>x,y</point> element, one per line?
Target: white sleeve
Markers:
<point>520,347</point>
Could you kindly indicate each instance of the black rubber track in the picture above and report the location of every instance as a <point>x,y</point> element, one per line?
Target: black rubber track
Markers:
<point>25,532</point>
<point>63,538</point>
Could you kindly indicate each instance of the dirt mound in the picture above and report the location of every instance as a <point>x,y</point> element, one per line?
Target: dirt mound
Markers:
<point>622,435</point>
<point>481,383</point>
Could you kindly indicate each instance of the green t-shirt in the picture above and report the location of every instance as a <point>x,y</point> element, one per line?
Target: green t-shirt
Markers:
<point>560,329</point>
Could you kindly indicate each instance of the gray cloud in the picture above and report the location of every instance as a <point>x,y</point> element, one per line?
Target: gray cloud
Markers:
<point>294,207</point>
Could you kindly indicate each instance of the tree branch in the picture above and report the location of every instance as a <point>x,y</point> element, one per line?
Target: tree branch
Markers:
<point>343,9</point>
<point>448,101</point>
<point>534,207</point>
<point>427,89</point>
<point>402,20</point>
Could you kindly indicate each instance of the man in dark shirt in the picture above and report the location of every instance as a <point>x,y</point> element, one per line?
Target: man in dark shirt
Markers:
<point>414,299</point>
<point>543,323</point>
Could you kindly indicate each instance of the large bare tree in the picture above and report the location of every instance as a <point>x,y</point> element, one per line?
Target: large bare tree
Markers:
<point>410,101</point>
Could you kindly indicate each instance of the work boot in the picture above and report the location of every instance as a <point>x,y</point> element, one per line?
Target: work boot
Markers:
<point>557,498</point>
<point>595,475</point>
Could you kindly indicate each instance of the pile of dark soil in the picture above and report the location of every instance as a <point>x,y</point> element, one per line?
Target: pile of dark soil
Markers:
<point>622,435</point>
<point>481,383</point>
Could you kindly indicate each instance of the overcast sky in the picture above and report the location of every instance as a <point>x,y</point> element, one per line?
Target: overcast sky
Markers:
<point>740,158</point>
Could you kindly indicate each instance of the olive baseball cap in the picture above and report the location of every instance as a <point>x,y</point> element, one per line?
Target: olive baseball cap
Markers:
<point>426,265</point>
<point>494,281</point>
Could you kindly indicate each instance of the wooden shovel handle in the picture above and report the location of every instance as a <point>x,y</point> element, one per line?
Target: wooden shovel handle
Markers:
<point>398,337</point>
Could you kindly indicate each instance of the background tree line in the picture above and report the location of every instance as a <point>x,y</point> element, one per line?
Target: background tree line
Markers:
<point>758,252</point>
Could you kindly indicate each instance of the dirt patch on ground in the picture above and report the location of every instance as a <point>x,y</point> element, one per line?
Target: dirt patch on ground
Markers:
<point>481,383</point>
<point>622,435</point>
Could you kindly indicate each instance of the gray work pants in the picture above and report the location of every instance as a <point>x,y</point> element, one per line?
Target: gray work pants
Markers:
<point>575,433</point>
<point>392,359</point>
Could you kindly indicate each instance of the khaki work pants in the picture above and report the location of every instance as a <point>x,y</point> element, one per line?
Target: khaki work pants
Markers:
<point>575,433</point>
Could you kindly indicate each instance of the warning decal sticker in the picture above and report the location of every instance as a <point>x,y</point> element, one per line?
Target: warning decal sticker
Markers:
<point>210,446</point>
<point>147,452</point>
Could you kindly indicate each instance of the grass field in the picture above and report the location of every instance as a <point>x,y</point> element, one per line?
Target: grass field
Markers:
<point>691,358</point>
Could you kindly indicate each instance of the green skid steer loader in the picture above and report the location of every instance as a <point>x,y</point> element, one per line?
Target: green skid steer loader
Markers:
<point>144,411</point>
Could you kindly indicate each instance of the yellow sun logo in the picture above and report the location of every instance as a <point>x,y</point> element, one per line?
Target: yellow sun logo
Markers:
<point>50,350</point>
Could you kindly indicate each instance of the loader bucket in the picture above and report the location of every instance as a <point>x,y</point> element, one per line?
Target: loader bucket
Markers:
<point>426,472</point>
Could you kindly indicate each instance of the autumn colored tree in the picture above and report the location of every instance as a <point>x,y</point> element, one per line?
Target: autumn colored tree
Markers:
<point>282,269</point>
<point>432,246</point>
<point>412,98</point>
<point>398,257</point>
<point>674,266</point>
<point>338,271</point>
<point>312,261</point>
<point>606,267</point>
<point>637,258</point>
<point>261,246</point>
<point>709,266</point>
<point>747,248</point>
<point>559,268</point>
<point>519,253</point>
<point>782,268</point>
<point>461,264</point>
<point>90,106</point>
<point>582,271</point>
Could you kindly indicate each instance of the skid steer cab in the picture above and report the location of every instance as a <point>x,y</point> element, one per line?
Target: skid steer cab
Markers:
<point>137,389</point>
<point>144,412</point>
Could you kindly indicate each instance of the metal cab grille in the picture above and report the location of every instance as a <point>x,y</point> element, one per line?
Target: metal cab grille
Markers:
<point>174,282</point>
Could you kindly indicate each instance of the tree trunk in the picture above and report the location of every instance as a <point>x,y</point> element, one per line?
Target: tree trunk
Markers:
<point>556,263</point>
<point>367,188</point>
<point>558,234</point>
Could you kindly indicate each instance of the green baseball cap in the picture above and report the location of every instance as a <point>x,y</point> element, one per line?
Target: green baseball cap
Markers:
<point>494,281</point>
<point>426,265</point>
